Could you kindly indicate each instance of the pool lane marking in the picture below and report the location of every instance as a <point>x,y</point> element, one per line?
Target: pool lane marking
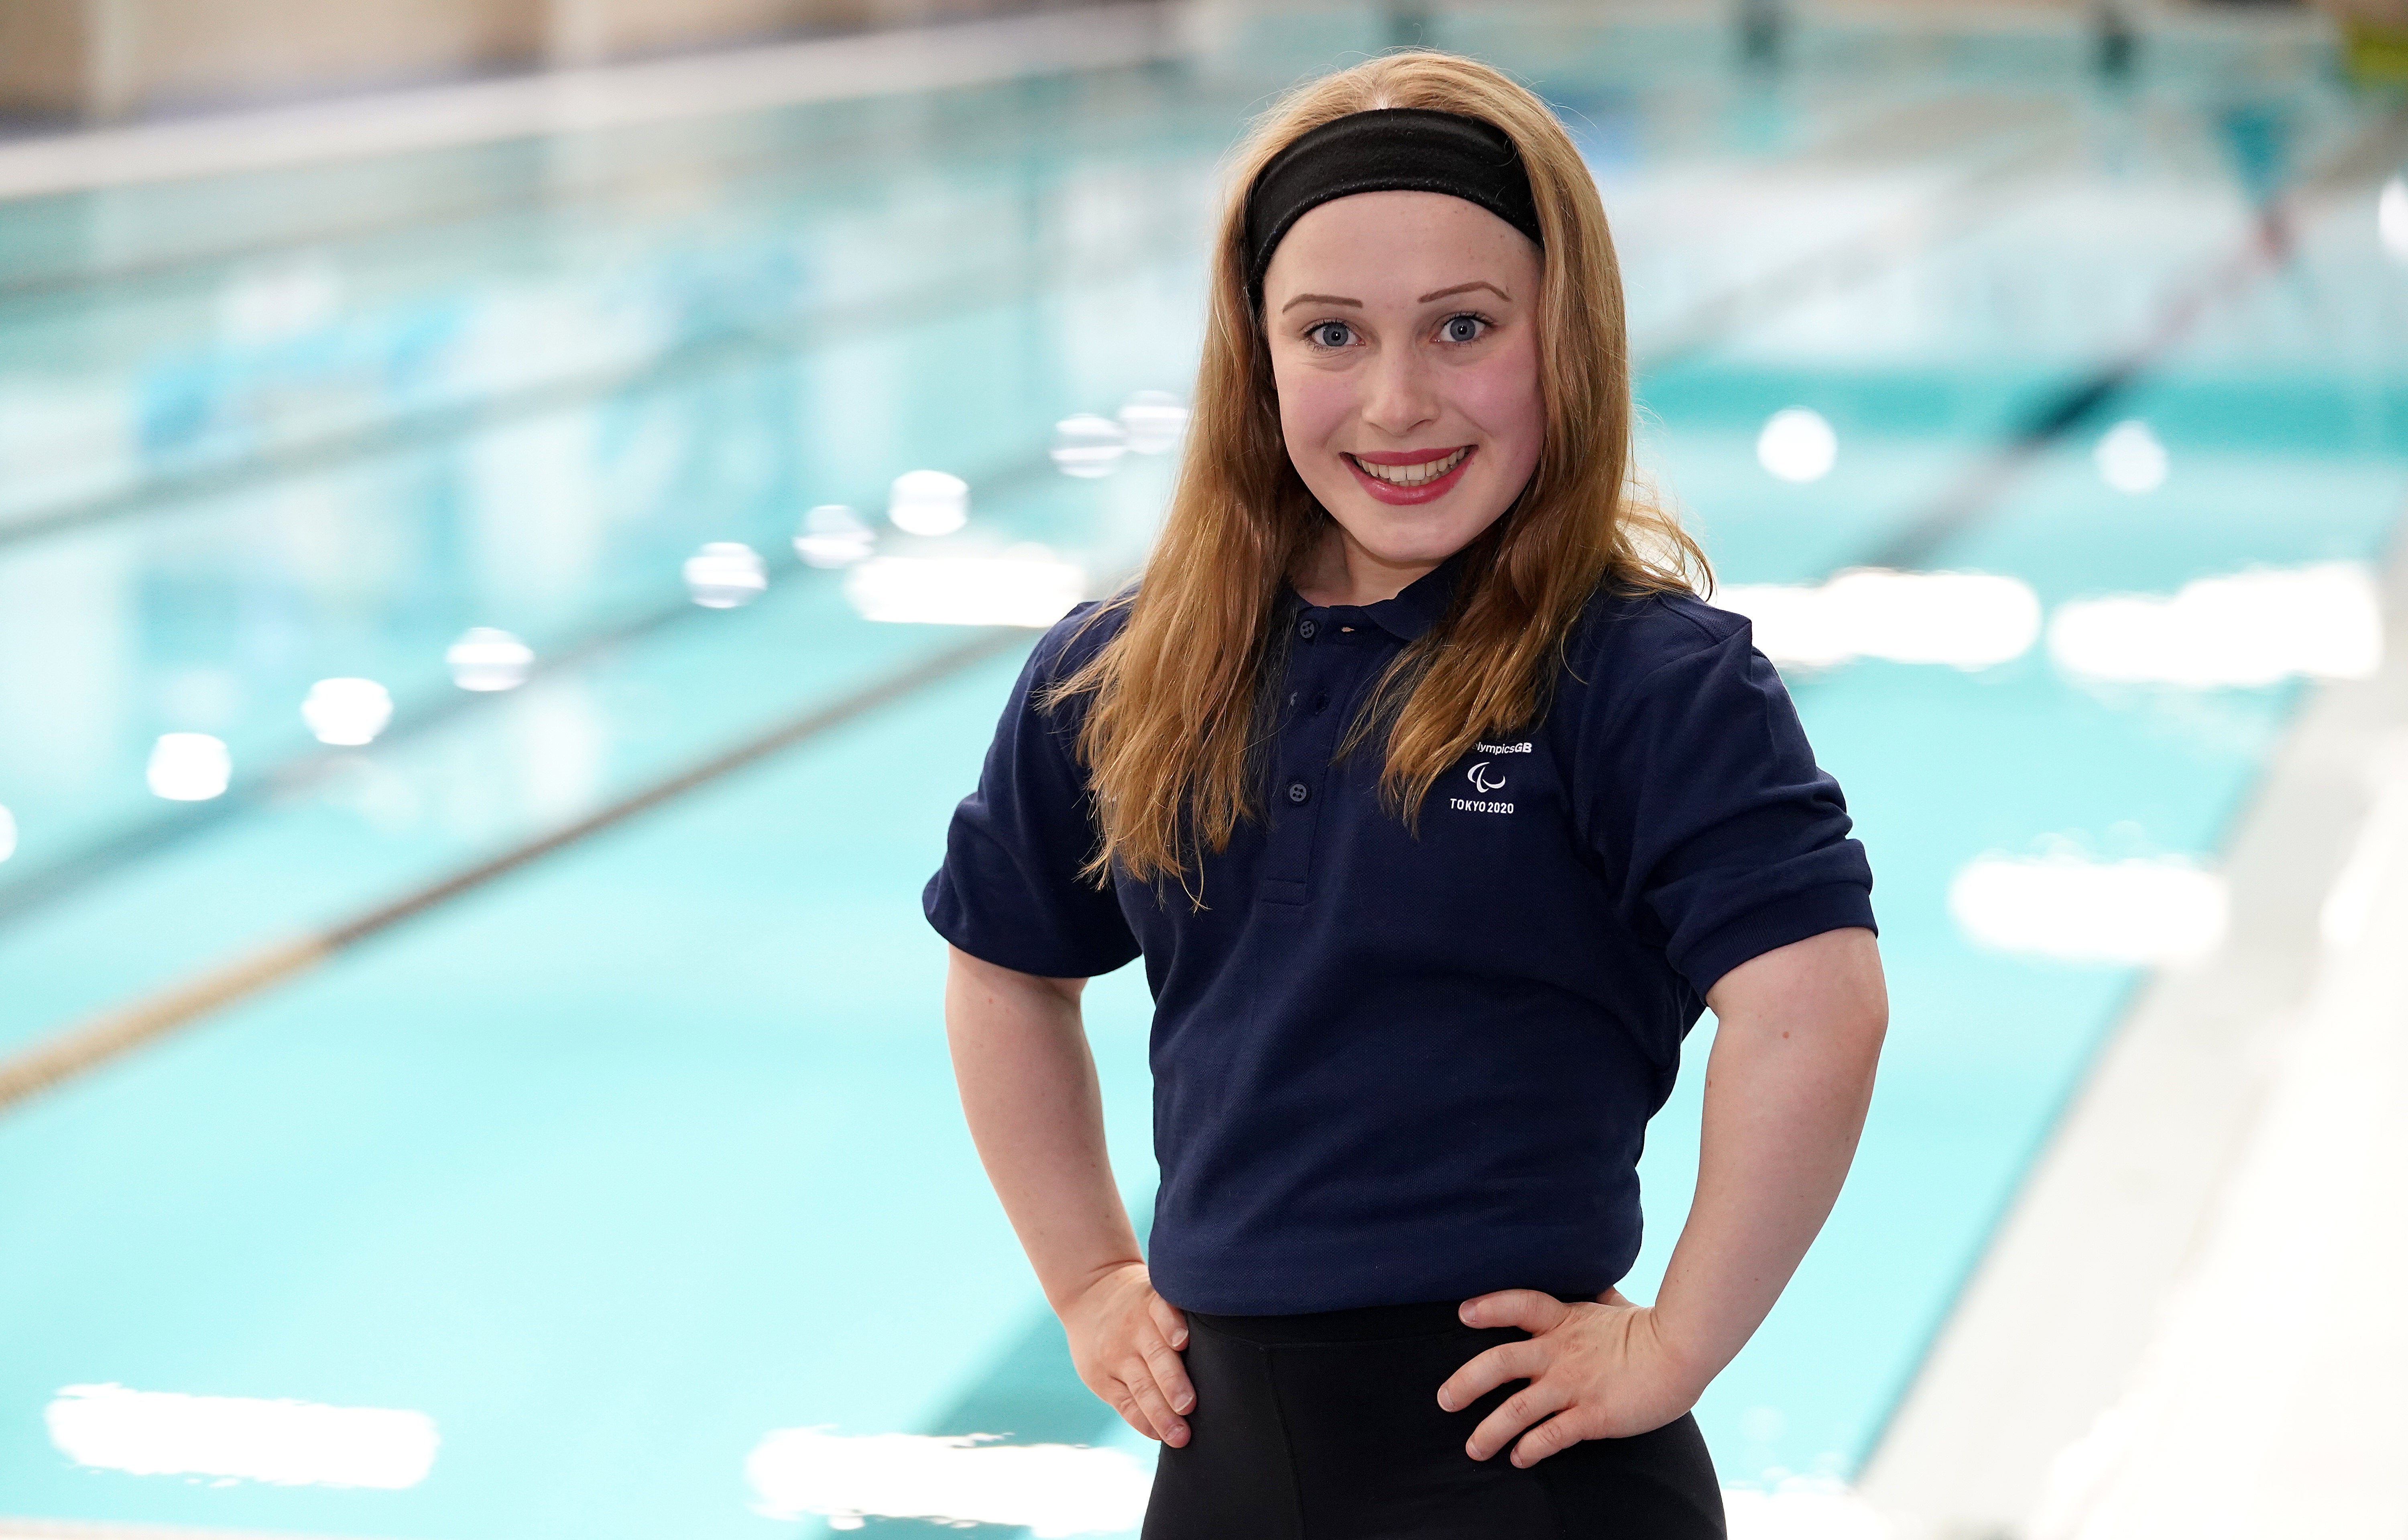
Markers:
<point>109,1033</point>
<point>1978,490</point>
<point>26,891</point>
<point>2270,248</point>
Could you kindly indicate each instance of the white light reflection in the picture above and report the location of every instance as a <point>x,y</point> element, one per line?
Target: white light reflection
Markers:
<point>1155,421</point>
<point>1969,619</point>
<point>1088,446</point>
<point>1033,590</point>
<point>833,535</point>
<point>2391,219</point>
<point>1803,1508</point>
<point>7,834</point>
<point>929,502</point>
<point>2249,628</point>
<point>726,575</point>
<point>288,1442</point>
<point>1048,1489</point>
<point>486,659</point>
<point>2131,459</point>
<point>189,766</point>
<point>1798,445</point>
<point>2064,907</point>
<point>347,712</point>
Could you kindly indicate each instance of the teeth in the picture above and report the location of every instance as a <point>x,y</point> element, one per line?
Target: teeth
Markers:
<point>1428,470</point>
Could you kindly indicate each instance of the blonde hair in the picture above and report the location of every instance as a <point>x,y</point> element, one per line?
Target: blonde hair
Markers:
<point>1172,718</point>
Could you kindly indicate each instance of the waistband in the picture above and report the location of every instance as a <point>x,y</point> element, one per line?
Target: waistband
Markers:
<point>1368,1323</point>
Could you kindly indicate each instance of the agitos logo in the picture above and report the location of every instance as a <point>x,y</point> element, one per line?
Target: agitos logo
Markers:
<point>1486,777</point>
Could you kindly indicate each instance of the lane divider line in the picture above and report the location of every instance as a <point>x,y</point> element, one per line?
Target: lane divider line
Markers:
<point>2272,244</point>
<point>124,1028</point>
<point>105,1035</point>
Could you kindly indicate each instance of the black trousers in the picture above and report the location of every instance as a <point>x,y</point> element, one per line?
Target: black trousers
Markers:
<point>1327,1428</point>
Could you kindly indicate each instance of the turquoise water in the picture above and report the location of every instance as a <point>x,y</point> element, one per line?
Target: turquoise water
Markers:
<point>617,1165</point>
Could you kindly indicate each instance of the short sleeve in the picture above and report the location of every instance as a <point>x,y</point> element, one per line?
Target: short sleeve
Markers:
<point>1011,891</point>
<point>1728,839</point>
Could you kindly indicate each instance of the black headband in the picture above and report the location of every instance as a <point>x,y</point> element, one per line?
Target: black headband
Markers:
<point>1394,149</point>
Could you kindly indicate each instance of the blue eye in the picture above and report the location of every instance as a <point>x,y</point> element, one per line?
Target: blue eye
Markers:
<point>1461,328</point>
<point>1332,334</point>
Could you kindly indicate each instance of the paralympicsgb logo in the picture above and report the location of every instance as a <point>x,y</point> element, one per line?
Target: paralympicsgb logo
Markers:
<point>1487,778</point>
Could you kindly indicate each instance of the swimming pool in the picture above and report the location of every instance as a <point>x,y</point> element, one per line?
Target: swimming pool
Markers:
<point>622,1171</point>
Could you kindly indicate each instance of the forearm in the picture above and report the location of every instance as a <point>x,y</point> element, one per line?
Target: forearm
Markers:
<point>1028,1089</point>
<point>1786,1090</point>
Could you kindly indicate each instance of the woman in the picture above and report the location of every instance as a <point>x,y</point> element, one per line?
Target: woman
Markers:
<point>1437,808</point>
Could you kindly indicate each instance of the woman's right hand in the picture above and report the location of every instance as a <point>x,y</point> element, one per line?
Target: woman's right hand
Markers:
<point>1125,1341</point>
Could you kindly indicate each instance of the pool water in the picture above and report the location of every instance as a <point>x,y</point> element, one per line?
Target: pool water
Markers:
<point>626,1165</point>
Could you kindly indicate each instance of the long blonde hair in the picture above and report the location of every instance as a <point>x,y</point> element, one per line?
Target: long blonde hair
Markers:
<point>1172,718</point>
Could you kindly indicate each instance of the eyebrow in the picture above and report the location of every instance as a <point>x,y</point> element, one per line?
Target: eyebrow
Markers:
<point>1466,288</point>
<point>1322,299</point>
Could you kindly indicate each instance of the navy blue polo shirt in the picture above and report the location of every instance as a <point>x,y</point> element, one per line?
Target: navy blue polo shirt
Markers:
<point>1390,1066</point>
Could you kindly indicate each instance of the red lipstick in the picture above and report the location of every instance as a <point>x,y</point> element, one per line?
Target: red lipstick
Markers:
<point>1395,494</point>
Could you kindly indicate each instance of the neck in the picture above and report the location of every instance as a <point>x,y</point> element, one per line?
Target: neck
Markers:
<point>1337,570</point>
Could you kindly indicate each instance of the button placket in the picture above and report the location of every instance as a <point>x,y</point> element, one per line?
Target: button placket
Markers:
<point>1320,674</point>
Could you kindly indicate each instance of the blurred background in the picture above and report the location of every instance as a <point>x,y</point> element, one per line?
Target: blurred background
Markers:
<point>517,518</point>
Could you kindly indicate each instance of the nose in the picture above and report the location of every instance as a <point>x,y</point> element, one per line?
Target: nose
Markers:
<point>1399,391</point>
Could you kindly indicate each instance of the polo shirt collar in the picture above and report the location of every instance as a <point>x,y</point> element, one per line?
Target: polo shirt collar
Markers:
<point>1413,612</point>
<point>1422,605</point>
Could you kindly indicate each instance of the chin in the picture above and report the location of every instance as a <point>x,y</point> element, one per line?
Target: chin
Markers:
<point>1433,549</point>
<point>1405,535</point>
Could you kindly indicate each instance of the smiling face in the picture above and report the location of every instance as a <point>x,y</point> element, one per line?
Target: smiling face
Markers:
<point>1403,342</point>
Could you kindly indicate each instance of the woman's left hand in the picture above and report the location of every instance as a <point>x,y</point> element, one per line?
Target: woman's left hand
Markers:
<point>1596,1370</point>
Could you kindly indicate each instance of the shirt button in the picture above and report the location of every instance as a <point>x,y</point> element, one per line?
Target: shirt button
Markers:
<point>1298,793</point>
<point>1307,629</point>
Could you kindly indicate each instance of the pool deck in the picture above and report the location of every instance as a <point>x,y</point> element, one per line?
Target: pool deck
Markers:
<point>706,85</point>
<point>2189,1313</point>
